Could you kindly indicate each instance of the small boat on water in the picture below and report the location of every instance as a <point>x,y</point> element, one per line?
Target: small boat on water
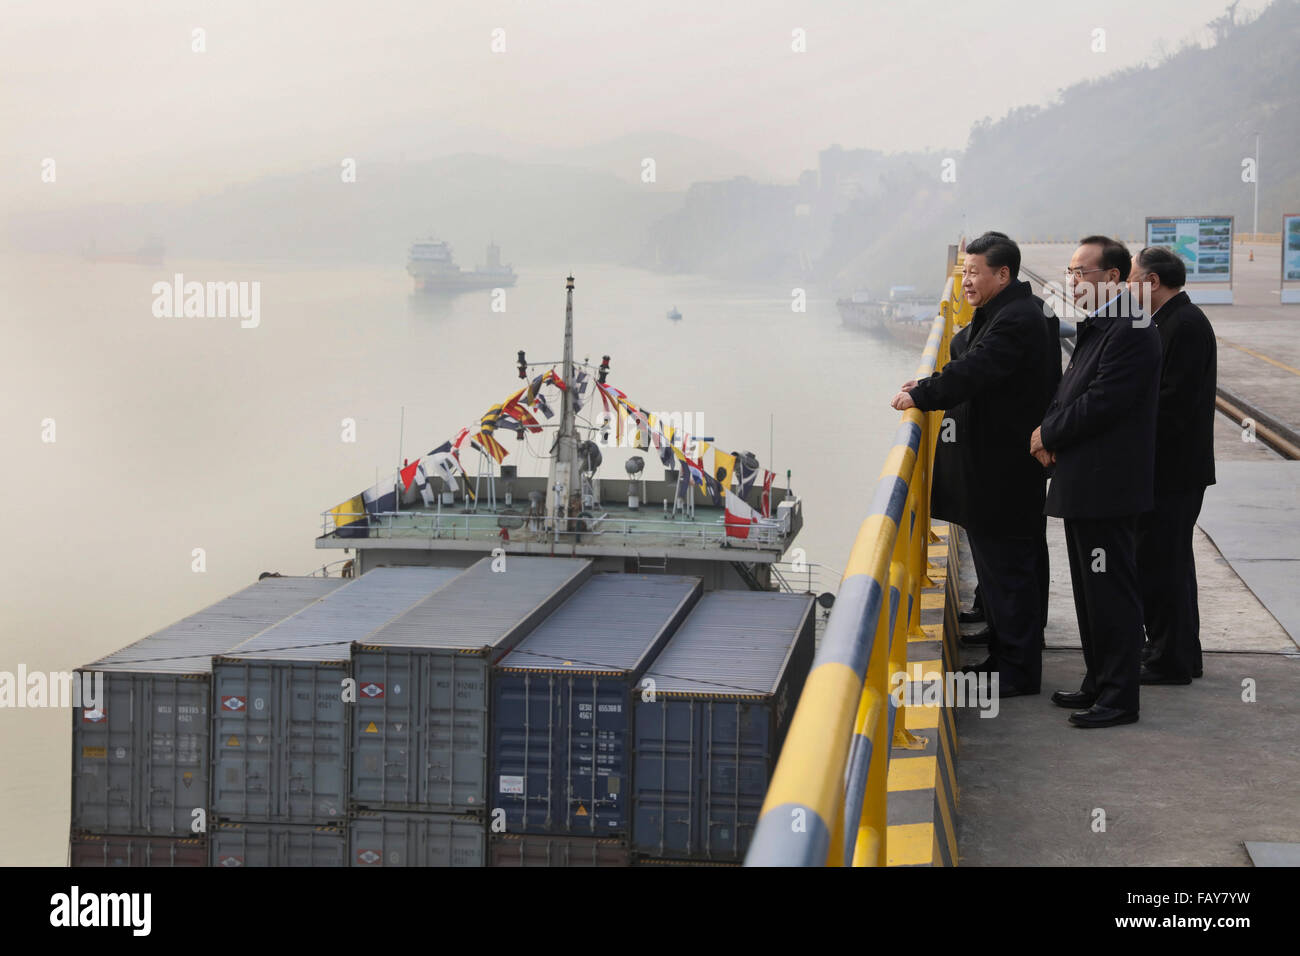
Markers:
<point>674,314</point>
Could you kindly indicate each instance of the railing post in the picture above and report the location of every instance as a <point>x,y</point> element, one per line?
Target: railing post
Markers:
<point>917,548</point>
<point>905,572</point>
<point>922,478</point>
<point>871,847</point>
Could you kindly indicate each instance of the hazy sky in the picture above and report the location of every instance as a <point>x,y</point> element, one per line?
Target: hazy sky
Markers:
<point>117,97</point>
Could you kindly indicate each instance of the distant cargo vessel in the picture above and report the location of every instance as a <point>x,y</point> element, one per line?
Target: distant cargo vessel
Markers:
<point>434,270</point>
<point>904,316</point>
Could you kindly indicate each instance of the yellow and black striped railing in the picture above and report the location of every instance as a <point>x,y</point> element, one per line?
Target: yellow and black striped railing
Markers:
<point>826,804</point>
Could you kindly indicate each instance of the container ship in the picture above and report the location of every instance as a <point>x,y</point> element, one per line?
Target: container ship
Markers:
<point>434,270</point>
<point>573,669</point>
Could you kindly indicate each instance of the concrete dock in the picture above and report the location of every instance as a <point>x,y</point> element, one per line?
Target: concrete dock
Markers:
<point>1210,766</point>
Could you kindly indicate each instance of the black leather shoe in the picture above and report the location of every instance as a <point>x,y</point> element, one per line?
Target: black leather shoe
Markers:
<point>1073,698</point>
<point>1103,717</point>
<point>1155,677</point>
<point>983,667</point>
<point>981,636</point>
<point>970,617</point>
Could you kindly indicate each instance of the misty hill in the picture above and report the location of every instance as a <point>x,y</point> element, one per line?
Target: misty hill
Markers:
<point>1168,140</point>
<point>539,213</point>
<point>1162,140</point>
<point>679,160</point>
<point>1159,140</point>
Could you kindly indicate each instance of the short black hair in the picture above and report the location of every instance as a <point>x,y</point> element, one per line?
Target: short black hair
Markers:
<point>1166,265</point>
<point>998,250</point>
<point>1114,254</point>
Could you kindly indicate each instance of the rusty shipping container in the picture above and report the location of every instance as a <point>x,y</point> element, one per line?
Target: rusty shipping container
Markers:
<point>511,849</point>
<point>108,849</point>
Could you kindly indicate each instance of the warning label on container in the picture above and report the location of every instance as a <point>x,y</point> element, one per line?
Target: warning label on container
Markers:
<point>372,689</point>
<point>234,703</point>
<point>368,857</point>
<point>371,728</point>
<point>233,741</point>
<point>94,753</point>
<point>92,716</point>
<point>512,784</point>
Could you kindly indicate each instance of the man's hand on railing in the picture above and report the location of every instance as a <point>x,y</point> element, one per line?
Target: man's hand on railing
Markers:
<point>903,401</point>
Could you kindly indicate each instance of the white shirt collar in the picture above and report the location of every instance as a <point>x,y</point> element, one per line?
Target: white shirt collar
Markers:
<point>1103,308</point>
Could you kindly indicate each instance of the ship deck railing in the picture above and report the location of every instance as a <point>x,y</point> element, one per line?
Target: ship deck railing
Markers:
<point>706,531</point>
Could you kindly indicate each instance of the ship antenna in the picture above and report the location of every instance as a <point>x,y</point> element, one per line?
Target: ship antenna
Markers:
<point>566,495</point>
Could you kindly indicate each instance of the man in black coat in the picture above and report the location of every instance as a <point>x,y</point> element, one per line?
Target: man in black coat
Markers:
<point>1099,432</point>
<point>947,472</point>
<point>942,465</point>
<point>994,393</point>
<point>1184,467</point>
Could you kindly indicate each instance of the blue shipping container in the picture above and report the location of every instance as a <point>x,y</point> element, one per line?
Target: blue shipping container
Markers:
<point>562,704</point>
<point>710,720</point>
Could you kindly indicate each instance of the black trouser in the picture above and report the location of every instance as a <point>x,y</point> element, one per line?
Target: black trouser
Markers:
<point>1008,569</point>
<point>1103,572</point>
<point>1167,578</point>
<point>1044,571</point>
<point>1044,567</point>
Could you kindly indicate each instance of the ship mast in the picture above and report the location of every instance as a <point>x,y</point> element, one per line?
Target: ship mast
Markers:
<point>564,500</point>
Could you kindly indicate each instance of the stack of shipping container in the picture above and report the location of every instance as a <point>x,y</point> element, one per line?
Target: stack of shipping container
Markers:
<point>140,760</point>
<point>421,724</point>
<point>522,712</point>
<point>710,722</point>
<point>280,741</point>
<point>562,719</point>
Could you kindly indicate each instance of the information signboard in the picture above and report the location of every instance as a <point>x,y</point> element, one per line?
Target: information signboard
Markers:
<point>1204,243</point>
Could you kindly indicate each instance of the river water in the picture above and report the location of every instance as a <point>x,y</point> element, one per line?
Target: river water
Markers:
<point>172,434</point>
